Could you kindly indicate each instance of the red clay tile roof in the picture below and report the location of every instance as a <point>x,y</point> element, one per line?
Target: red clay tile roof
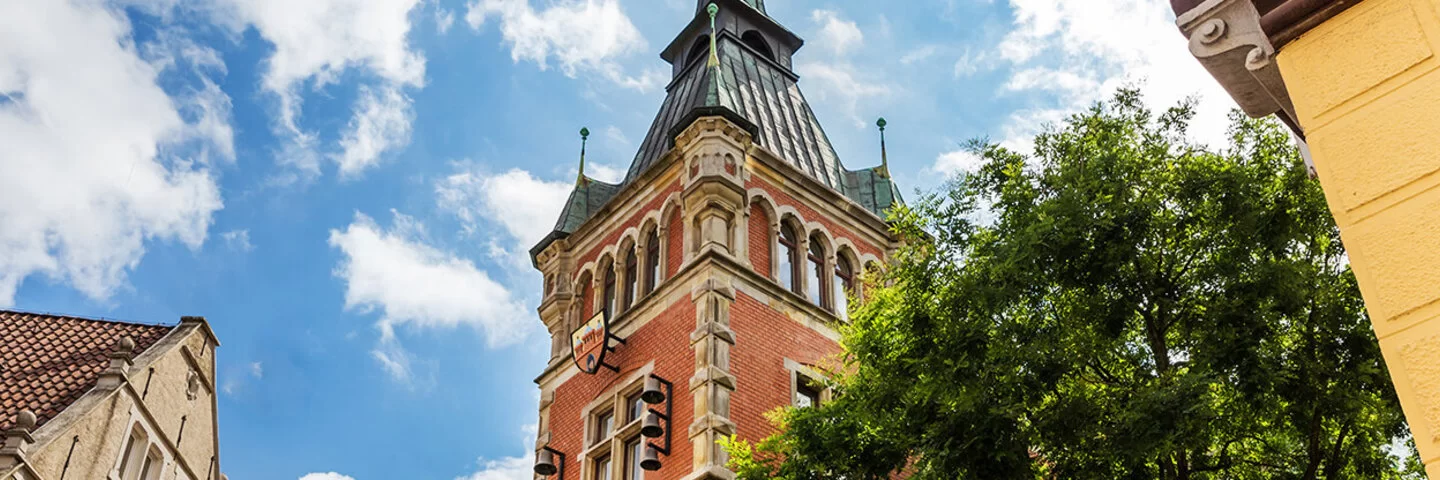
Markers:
<point>48,361</point>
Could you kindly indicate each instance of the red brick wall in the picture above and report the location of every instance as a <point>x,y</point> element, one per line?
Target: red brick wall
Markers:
<point>783,198</point>
<point>764,338</point>
<point>675,249</point>
<point>760,240</point>
<point>666,341</point>
<point>614,230</point>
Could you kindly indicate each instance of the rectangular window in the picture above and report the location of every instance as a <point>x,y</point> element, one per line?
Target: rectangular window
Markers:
<point>638,407</point>
<point>602,468</point>
<point>604,424</point>
<point>807,393</point>
<point>634,451</point>
<point>150,470</point>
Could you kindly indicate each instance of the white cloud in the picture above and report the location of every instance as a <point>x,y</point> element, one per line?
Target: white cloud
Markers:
<point>523,205</point>
<point>1047,79</point>
<point>326,476</point>
<point>958,161</point>
<point>1085,50</point>
<point>318,40</point>
<point>444,19</point>
<point>413,283</point>
<point>509,468</point>
<point>257,370</point>
<point>919,54</point>
<point>381,123</point>
<point>837,34</point>
<point>97,158</point>
<point>841,82</point>
<point>580,35</point>
<point>238,240</point>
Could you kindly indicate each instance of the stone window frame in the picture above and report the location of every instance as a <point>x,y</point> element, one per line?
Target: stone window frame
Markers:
<point>147,437</point>
<point>800,372</point>
<point>614,402</point>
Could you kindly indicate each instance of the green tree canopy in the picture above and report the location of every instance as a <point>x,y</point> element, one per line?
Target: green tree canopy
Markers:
<point>1121,304</point>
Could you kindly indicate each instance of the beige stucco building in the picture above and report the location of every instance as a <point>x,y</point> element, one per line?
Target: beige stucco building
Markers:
<point>1359,83</point>
<point>84,399</point>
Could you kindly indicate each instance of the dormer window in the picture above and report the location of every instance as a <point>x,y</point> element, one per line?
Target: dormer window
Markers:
<point>699,49</point>
<point>755,40</point>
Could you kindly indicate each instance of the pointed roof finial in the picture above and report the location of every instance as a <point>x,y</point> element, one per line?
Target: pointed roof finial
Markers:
<point>884,160</point>
<point>713,10</point>
<point>584,137</point>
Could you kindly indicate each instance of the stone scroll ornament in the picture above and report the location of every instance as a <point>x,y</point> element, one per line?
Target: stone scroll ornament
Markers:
<point>591,341</point>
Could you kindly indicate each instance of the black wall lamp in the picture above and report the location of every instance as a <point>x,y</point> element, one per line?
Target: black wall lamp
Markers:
<point>650,428</point>
<point>545,462</point>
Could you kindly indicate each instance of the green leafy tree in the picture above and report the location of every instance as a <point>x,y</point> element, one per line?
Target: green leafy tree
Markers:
<point>1122,304</point>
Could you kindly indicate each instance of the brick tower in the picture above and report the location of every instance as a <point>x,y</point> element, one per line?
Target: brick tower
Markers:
<point>701,291</point>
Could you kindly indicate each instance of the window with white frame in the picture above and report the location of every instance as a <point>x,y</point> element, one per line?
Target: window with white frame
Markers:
<point>616,447</point>
<point>140,458</point>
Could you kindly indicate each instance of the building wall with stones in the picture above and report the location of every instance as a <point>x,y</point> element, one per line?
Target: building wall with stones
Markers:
<point>718,323</point>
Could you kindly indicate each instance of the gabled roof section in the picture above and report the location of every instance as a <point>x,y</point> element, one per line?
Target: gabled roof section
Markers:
<point>48,361</point>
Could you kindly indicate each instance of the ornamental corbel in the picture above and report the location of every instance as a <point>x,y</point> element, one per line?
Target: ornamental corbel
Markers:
<point>1226,37</point>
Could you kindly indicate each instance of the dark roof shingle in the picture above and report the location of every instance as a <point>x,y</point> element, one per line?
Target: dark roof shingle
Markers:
<point>48,361</point>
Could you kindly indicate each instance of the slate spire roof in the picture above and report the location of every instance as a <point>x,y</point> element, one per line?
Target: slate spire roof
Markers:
<point>753,86</point>
<point>48,361</point>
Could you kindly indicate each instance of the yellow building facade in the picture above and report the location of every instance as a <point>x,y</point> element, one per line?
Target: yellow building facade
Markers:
<point>1360,81</point>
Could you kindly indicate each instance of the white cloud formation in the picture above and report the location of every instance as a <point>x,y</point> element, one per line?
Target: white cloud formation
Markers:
<point>958,161</point>
<point>509,468</point>
<point>1085,50</point>
<point>836,79</point>
<point>410,282</point>
<point>842,83</point>
<point>837,34</point>
<point>580,35</point>
<point>326,476</point>
<point>922,53</point>
<point>524,206</point>
<point>257,370</point>
<point>381,123</point>
<point>238,240</point>
<point>318,40</point>
<point>444,19</point>
<point>97,157</point>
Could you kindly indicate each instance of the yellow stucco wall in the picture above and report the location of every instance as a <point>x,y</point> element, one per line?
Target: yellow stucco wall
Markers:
<point>1367,93</point>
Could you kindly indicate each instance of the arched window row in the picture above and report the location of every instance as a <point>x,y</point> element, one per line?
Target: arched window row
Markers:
<point>809,261</point>
<point>627,273</point>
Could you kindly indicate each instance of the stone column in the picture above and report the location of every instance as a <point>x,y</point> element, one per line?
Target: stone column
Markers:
<point>712,384</point>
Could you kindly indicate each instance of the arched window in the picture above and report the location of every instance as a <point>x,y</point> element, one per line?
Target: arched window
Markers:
<point>844,286</point>
<point>608,298</point>
<point>587,297</point>
<point>652,260</point>
<point>755,40</point>
<point>789,258</point>
<point>632,277</point>
<point>815,273</point>
<point>699,49</point>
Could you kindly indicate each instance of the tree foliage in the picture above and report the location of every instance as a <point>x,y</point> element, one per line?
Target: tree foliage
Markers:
<point>1121,304</point>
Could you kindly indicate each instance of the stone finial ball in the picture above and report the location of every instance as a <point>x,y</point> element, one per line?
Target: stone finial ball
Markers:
<point>25,420</point>
<point>127,345</point>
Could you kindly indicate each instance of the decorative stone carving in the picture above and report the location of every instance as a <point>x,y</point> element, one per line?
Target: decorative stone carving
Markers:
<point>192,385</point>
<point>1226,37</point>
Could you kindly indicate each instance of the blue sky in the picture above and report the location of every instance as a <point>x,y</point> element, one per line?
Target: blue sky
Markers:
<point>346,188</point>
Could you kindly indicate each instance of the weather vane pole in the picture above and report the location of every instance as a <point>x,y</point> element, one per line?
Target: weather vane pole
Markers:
<point>884,160</point>
<point>713,9</point>
<point>584,136</point>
